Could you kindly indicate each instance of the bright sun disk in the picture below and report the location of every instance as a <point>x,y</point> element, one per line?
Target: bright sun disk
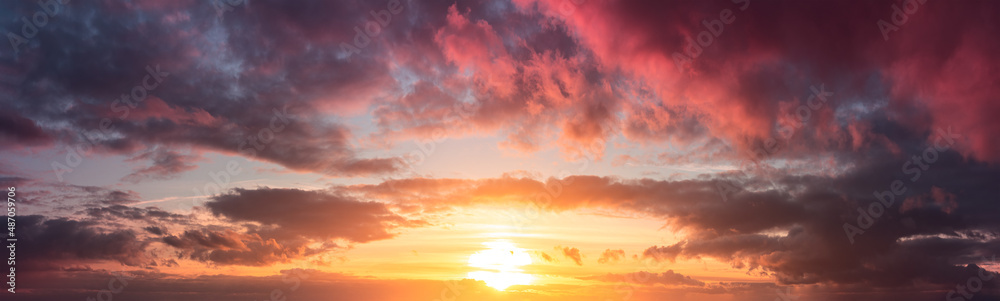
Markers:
<point>501,263</point>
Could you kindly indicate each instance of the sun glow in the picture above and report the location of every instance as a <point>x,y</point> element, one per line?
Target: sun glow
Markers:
<point>499,265</point>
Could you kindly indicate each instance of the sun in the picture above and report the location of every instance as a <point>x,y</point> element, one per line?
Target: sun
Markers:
<point>500,265</point>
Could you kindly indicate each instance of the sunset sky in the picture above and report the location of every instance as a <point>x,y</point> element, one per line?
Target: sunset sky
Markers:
<point>501,150</point>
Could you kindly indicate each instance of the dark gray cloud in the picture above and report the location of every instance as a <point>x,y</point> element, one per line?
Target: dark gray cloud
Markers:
<point>212,91</point>
<point>312,214</point>
<point>227,247</point>
<point>113,212</point>
<point>16,130</point>
<point>165,164</point>
<point>51,241</point>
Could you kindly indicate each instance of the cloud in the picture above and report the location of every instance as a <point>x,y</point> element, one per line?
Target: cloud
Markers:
<point>572,253</point>
<point>669,278</point>
<point>227,247</point>
<point>751,77</point>
<point>248,228</point>
<point>12,181</point>
<point>166,164</point>
<point>611,256</point>
<point>68,198</point>
<point>308,284</point>
<point>523,62</point>
<point>16,130</point>
<point>663,253</point>
<point>54,240</point>
<point>311,214</point>
<point>537,91</point>
<point>270,82</point>
<point>113,212</point>
<point>523,71</point>
<point>781,223</point>
<point>544,256</point>
<point>209,92</point>
<point>154,230</point>
<point>257,227</point>
<point>224,240</point>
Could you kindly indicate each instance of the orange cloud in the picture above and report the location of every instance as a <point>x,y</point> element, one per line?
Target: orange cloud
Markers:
<point>611,256</point>
<point>572,253</point>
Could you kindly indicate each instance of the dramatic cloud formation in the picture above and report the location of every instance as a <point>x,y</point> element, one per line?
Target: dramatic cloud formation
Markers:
<point>744,65</point>
<point>814,246</point>
<point>714,150</point>
<point>180,91</point>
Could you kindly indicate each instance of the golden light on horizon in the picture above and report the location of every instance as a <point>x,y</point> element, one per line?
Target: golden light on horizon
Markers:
<point>500,265</point>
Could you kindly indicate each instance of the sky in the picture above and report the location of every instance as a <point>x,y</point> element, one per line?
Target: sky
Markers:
<point>501,150</point>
